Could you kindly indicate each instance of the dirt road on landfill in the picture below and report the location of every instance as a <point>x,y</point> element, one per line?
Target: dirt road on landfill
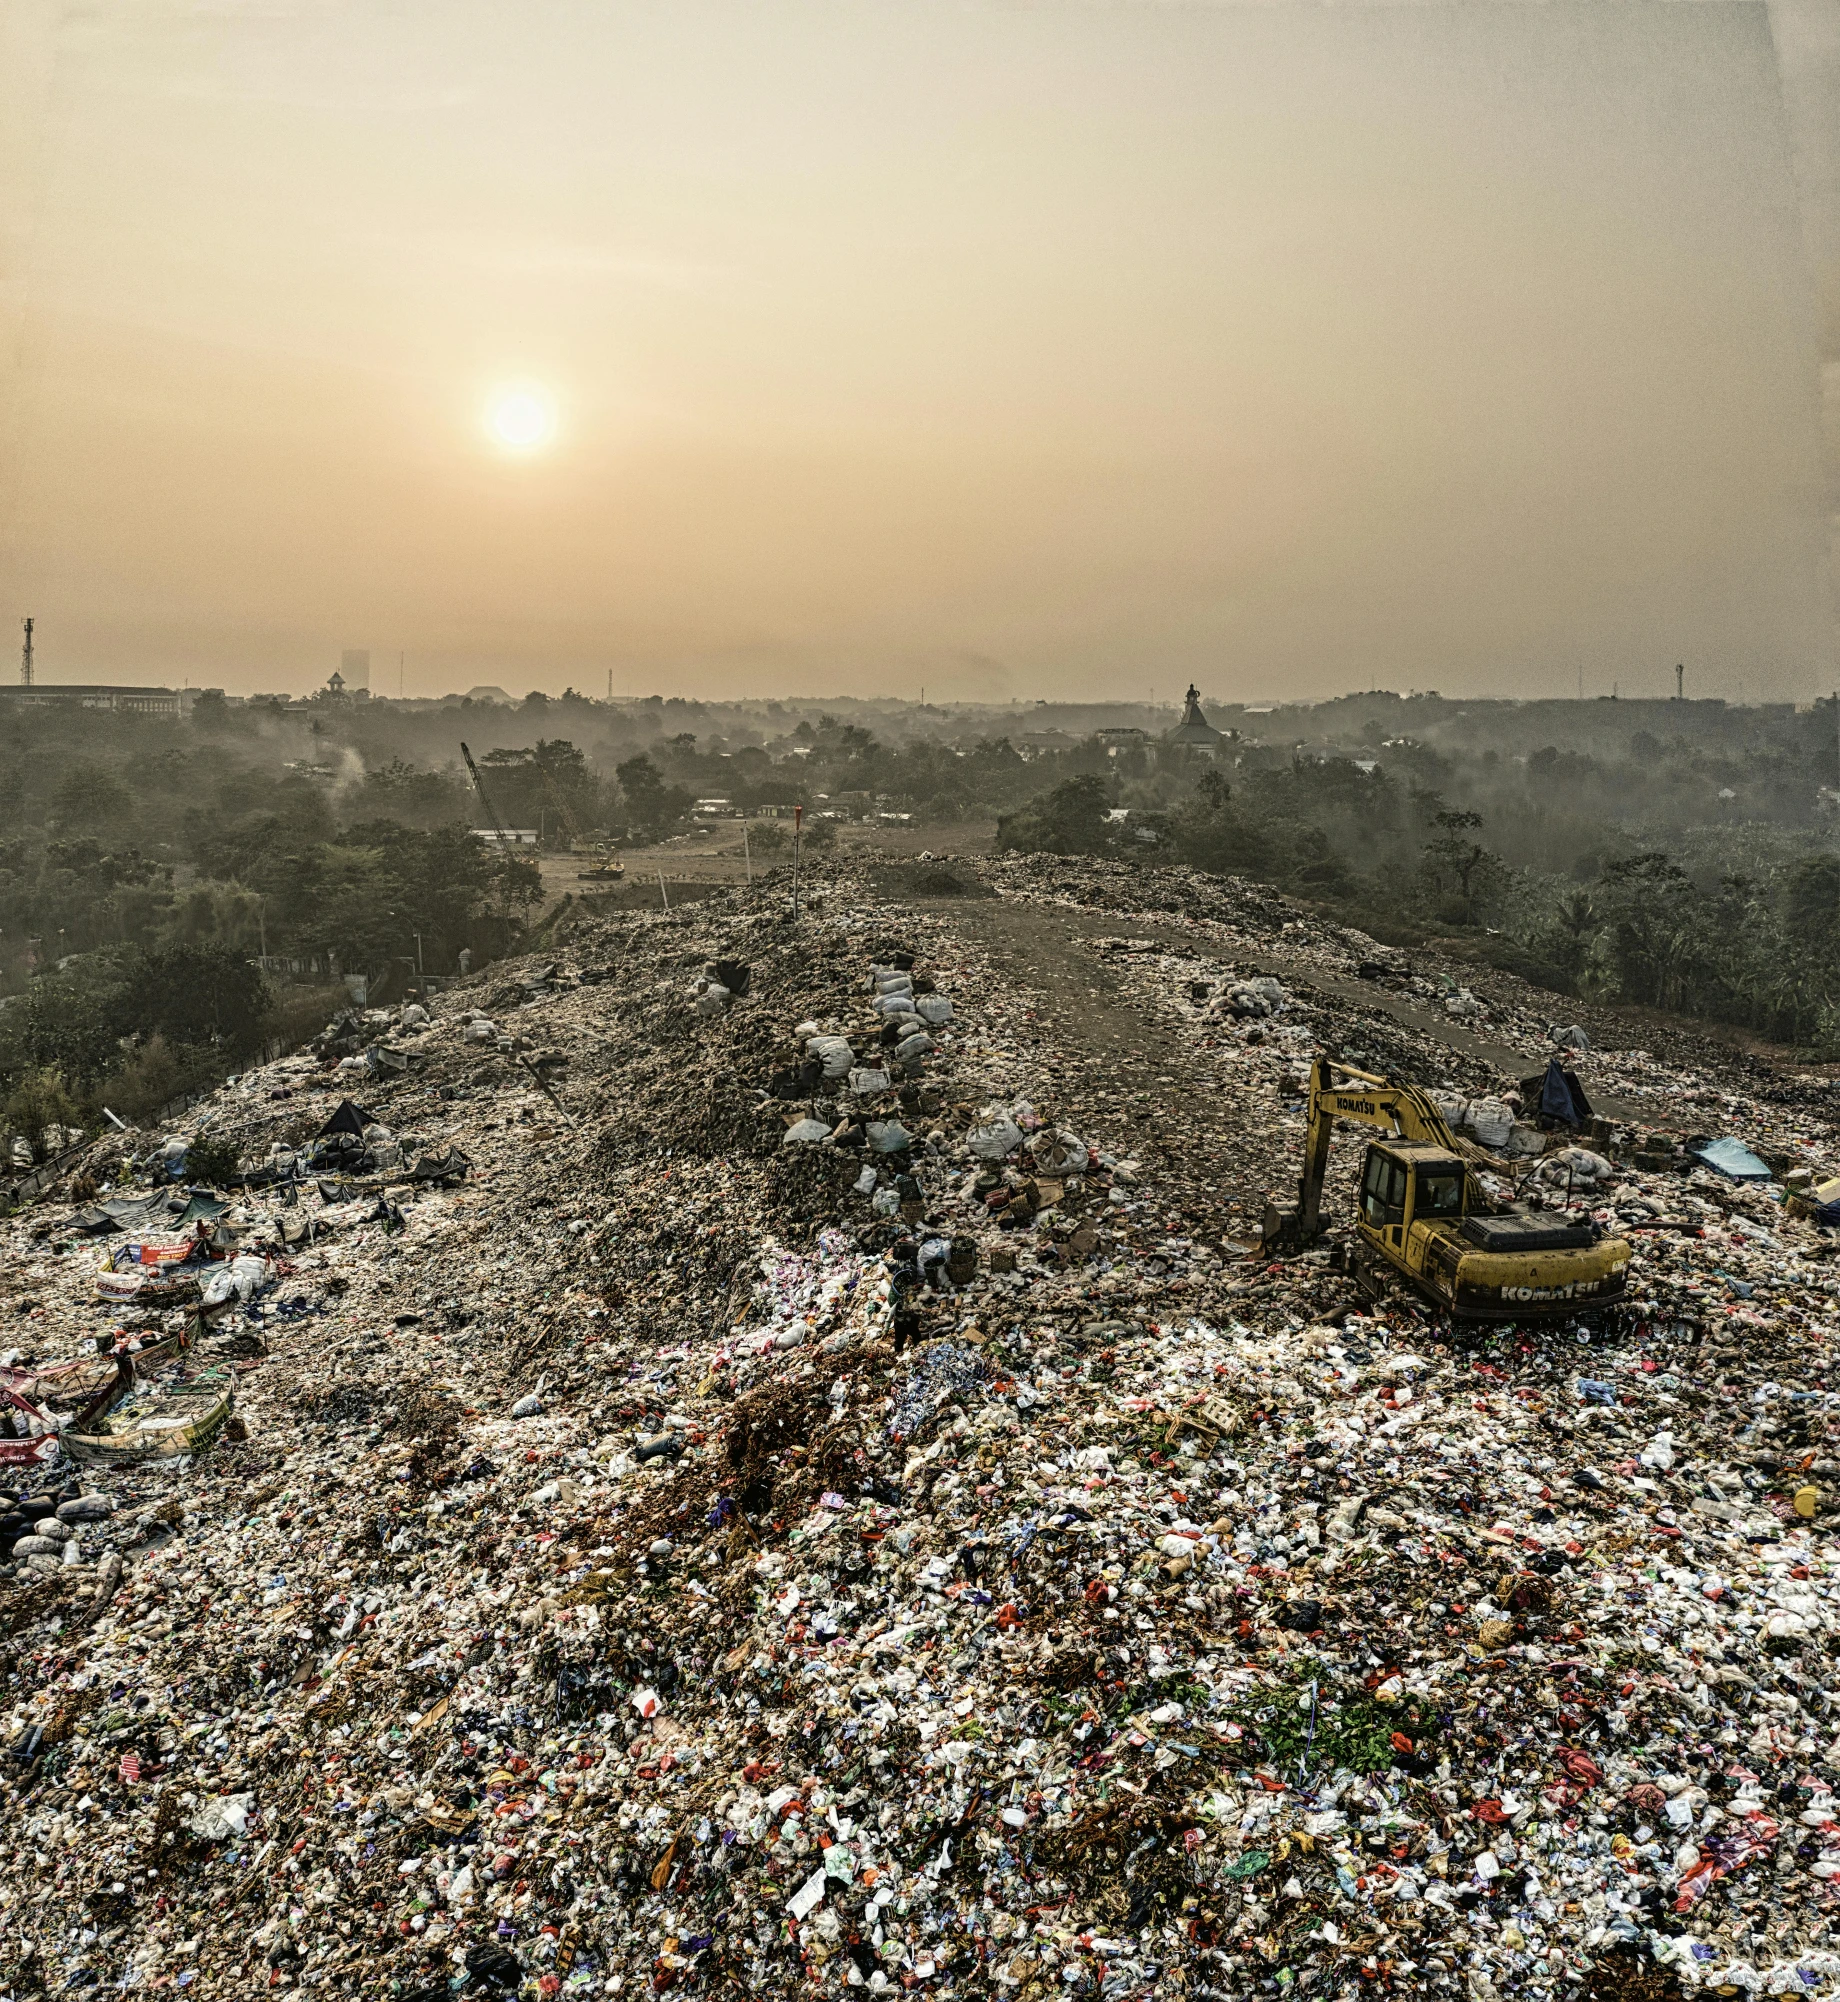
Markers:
<point>1371,996</point>
<point>1127,1076</point>
<point>1120,1072</point>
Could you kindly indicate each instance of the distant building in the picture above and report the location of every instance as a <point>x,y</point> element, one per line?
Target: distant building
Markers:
<point>96,695</point>
<point>1195,732</point>
<point>487,694</point>
<point>518,837</point>
<point>355,667</point>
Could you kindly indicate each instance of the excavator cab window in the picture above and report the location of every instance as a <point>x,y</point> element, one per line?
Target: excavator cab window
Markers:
<point>1383,1190</point>
<point>1439,1193</point>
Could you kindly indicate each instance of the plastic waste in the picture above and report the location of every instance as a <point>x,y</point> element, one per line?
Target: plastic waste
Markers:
<point>995,1140</point>
<point>1730,1158</point>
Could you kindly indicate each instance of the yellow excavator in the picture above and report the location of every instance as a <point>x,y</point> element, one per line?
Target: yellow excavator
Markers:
<point>606,867</point>
<point>1422,1211</point>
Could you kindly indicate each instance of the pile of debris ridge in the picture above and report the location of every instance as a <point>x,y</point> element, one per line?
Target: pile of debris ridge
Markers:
<point>754,1451</point>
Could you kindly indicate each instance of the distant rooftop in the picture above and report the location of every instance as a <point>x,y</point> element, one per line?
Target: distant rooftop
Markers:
<point>97,695</point>
<point>1194,727</point>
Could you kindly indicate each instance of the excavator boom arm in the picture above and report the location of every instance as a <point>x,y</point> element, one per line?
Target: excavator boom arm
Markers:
<point>552,792</point>
<point>1401,1112</point>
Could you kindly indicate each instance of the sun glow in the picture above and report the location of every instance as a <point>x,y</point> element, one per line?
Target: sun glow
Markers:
<point>521,417</point>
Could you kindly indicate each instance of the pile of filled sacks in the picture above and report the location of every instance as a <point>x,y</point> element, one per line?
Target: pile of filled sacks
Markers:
<point>1493,1123</point>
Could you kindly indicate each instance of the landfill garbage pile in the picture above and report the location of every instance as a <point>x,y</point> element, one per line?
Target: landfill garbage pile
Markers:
<point>754,1453</point>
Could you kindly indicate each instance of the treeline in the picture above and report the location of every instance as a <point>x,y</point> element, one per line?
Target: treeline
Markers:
<point>131,1027</point>
<point>149,975</point>
<point>1678,855</point>
<point>1744,931</point>
<point>321,837</point>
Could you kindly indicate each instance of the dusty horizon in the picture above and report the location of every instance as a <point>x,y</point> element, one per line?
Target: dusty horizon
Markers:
<point>1067,353</point>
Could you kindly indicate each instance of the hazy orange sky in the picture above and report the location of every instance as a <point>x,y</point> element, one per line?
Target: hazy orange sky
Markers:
<point>1006,350</point>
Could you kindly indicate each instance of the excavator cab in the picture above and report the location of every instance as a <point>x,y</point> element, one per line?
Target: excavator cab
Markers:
<point>1404,1186</point>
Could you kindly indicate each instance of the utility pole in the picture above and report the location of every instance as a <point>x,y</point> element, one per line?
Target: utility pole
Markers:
<point>610,684</point>
<point>798,823</point>
<point>25,659</point>
<point>1680,683</point>
<point>1581,681</point>
<point>400,659</point>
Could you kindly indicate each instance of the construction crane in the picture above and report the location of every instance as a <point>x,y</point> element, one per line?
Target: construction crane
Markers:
<point>607,867</point>
<point>552,794</point>
<point>1421,1211</point>
<point>485,800</point>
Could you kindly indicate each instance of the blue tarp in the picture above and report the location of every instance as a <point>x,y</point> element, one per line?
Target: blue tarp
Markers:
<point>1556,1096</point>
<point>1730,1158</point>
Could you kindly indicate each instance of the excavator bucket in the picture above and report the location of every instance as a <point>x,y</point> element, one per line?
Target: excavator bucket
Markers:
<point>1284,1230</point>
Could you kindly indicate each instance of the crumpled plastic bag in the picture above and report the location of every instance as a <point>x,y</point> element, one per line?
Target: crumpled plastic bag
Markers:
<point>1491,1120</point>
<point>221,1816</point>
<point>1452,1105</point>
<point>834,1053</point>
<point>1256,998</point>
<point>1001,1137</point>
<point>1659,1452</point>
<point>242,1279</point>
<point>1058,1151</point>
<point>1737,1844</point>
<point>941,1370</point>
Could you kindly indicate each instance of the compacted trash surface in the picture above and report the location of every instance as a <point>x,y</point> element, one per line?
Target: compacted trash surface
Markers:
<point>754,1455</point>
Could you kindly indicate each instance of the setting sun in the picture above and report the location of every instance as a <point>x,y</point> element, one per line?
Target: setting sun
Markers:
<point>520,417</point>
